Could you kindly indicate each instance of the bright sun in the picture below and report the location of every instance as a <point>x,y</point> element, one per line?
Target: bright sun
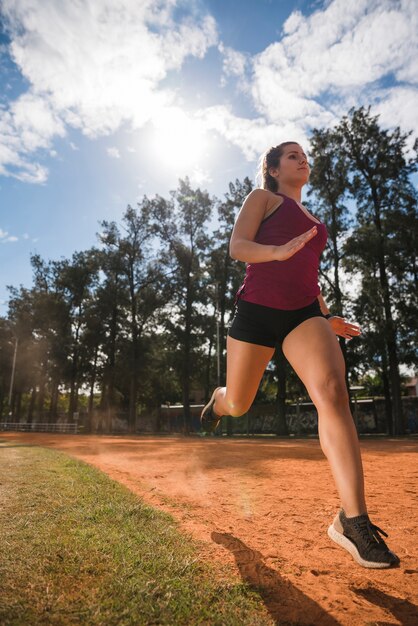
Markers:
<point>178,141</point>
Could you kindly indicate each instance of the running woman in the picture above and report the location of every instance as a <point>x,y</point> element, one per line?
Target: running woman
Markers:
<point>280,304</point>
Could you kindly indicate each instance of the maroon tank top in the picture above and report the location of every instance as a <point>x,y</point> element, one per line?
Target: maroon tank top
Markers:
<point>290,284</point>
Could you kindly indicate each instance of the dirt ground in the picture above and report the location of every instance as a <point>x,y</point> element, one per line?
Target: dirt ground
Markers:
<point>264,506</point>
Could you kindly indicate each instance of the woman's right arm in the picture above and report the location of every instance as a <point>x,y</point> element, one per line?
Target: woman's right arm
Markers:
<point>242,246</point>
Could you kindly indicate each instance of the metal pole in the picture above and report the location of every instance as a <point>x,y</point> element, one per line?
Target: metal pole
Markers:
<point>12,380</point>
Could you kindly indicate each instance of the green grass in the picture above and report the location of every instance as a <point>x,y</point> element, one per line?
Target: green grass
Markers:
<point>78,548</point>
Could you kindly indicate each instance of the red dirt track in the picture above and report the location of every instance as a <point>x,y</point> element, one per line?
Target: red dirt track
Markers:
<point>264,506</point>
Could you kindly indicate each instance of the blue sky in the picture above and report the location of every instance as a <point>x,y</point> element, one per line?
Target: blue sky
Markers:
<point>103,101</point>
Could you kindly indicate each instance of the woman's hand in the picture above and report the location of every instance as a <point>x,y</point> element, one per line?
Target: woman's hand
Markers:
<point>343,328</point>
<point>290,248</point>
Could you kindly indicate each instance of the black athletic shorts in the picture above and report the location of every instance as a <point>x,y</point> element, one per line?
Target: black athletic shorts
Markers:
<point>267,326</point>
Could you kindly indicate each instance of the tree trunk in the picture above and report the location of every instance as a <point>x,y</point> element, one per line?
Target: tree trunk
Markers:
<point>132,402</point>
<point>11,409</point>
<point>395,385</point>
<point>391,347</point>
<point>42,389</point>
<point>92,383</point>
<point>31,405</point>
<point>103,399</point>
<point>133,391</point>
<point>17,402</point>
<point>91,396</point>
<point>222,310</point>
<point>386,390</point>
<point>74,373</point>
<point>112,358</point>
<point>53,407</point>
<point>390,337</point>
<point>281,428</point>
<point>208,377</point>
<point>337,292</point>
<point>222,332</point>
<point>186,356</point>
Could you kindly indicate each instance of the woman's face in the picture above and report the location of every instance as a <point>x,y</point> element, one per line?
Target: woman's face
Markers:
<point>293,167</point>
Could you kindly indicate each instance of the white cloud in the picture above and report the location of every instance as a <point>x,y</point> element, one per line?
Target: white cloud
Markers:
<point>6,238</point>
<point>329,61</point>
<point>28,125</point>
<point>252,136</point>
<point>113,152</point>
<point>399,104</point>
<point>92,65</point>
<point>73,146</point>
<point>234,63</point>
<point>96,65</point>
<point>323,65</point>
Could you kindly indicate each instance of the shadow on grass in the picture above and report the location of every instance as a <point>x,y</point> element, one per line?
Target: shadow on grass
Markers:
<point>285,603</point>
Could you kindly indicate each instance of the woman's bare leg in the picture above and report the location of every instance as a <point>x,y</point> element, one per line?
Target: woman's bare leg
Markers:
<point>245,366</point>
<point>313,351</point>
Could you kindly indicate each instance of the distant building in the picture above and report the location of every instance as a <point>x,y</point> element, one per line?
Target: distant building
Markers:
<point>412,386</point>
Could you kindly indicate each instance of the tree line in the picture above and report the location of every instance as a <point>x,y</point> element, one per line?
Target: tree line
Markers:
<point>141,318</point>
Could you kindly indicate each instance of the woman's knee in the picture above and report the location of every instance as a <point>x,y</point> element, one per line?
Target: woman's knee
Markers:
<point>330,389</point>
<point>236,406</point>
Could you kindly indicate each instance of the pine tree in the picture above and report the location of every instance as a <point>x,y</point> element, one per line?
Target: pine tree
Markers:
<point>380,184</point>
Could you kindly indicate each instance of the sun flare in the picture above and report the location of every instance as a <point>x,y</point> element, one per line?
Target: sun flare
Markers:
<point>178,141</point>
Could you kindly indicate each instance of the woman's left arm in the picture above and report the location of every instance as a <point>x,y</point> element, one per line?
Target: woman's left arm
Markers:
<point>339,325</point>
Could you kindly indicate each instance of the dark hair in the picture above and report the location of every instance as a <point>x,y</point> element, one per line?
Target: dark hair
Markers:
<point>269,159</point>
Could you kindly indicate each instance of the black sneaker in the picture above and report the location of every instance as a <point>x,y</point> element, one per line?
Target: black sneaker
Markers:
<point>208,419</point>
<point>362,540</point>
